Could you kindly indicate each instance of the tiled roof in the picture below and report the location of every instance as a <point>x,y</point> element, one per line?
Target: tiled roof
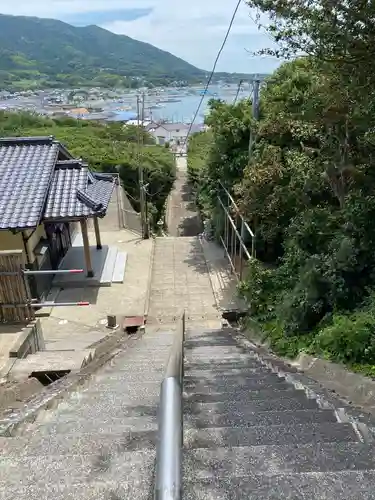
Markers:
<point>26,169</point>
<point>77,192</point>
<point>36,186</point>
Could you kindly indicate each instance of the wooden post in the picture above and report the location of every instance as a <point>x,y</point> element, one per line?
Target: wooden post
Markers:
<point>97,234</point>
<point>86,248</point>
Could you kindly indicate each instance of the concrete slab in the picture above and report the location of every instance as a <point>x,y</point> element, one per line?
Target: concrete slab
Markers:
<point>180,280</point>
<point>223,282</point>
<point>74,259</point>
<point>119,270</point>
<point>109,266</point>
<point>50,361</point>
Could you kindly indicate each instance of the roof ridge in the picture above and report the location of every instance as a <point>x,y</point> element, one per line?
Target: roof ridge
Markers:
<point>37,140</point>
<point>73,163</point>
<point>85,198</point>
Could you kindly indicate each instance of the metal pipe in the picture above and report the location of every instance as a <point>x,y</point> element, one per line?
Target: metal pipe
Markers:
<point>237,209</point>
<point>168,461</point>
<point>46,304</point>
<point>168,483</point>
<point>235,230</point>
<point>46,271</point>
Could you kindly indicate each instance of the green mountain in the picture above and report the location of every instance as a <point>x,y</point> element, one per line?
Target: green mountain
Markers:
<point>44,52</point>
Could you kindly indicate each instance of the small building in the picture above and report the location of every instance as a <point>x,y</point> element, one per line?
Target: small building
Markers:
<point>46,197</point>
<point>172,133</point>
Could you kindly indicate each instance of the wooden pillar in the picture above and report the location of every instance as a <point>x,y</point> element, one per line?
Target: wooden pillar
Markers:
<point>86,248</point>
<point>97,234</point>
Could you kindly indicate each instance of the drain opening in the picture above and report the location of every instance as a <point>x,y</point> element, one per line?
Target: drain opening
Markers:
<point>131,324</point>
<point>233,315</point>
<point>131,330</point>
<point>49,377</point>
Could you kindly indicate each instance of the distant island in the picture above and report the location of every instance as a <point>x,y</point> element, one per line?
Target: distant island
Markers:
<point>45,53</point>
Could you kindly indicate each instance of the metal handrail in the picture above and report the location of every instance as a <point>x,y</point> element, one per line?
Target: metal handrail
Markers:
<point>168,481</point>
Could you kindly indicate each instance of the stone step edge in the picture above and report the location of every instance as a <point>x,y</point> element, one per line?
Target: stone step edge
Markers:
<point>325,400</point>
<point>52,395</point>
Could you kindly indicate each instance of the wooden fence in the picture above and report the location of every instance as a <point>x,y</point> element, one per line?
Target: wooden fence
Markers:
<point>15,296</point>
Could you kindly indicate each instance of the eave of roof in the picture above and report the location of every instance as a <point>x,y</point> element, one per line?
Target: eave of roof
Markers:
<point>29,170</point>
<point>76,192</point>
<point>26,170</point>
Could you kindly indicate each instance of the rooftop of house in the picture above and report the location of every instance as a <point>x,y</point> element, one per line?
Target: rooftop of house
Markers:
<point>174,127</point>
<point>40,180</point>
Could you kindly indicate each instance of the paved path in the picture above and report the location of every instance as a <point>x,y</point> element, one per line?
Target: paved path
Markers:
<point>180,280</point>
<point>182,217</point>
<point>128,298</point>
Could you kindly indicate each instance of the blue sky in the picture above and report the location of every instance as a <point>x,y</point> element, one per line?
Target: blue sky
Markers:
<point>193,30</point>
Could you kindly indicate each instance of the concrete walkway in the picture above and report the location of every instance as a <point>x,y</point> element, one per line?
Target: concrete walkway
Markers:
<point>182,217</point>
<point>180,280</point>
<point>79,327</point>
<point>69,331</point>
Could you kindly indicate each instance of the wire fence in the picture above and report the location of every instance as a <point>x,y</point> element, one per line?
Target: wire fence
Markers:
<point>234,234</point>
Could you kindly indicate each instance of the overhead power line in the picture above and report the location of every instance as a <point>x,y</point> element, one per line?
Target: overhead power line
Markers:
<point>214,67</point>
<point>238,91</point>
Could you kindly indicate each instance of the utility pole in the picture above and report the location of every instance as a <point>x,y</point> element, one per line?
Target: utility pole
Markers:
<point>255,112</point>
<point>142,200</point>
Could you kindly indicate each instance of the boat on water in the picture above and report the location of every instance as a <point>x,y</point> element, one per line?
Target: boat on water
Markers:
<point>171,99</point>
<point>156,106</point>
<point>124,108</point>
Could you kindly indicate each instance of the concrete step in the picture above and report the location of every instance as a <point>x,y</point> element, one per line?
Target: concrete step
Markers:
<point>235,383</point>
<point>109,266</point>
<point>44,361</point>
<point>128,370</point>
<point>101,410</point>
<point>100,464</point>
<point>260,418</point>
<point>119,269</point>
<point>73,423</point>
<point>121,388</point>
<point>274,459</point>
<point>77,443</point>
<point>192,364</point>
<point>232,377</point>
<point>194,343</point>
<point>214,374</point>
<point>72,345</point>
<point>345,485</point>
<point>298,434</point>
<point>244,395</point>
<point>246,407</point>
<point>90,488</point>
<point>131,377</point>
<point>217,359</point>
<point>225,350</point>
<point>94,397</point>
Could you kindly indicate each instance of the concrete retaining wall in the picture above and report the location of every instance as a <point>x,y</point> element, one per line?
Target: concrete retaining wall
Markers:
<point>31,340</point>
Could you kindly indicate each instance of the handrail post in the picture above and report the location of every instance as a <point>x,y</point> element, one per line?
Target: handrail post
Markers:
<point>168,481</point>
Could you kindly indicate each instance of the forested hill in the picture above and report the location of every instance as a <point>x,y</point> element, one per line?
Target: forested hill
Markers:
<point>46,52</point>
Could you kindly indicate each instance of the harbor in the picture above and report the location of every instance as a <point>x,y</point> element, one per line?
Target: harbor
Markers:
<point>161,104</point>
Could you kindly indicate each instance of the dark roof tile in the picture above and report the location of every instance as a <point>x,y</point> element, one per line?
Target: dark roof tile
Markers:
<point>26,169</point>
<point>35,185</point>
<point>76,192</point>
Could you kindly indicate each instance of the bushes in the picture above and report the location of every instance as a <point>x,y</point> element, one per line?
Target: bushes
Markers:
<point>349,339</point>
<point>307,191</point>
<point>107,148</point>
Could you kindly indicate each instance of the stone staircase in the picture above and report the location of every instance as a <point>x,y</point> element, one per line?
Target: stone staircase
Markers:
<point>99,442</point>
<point>249,434</point>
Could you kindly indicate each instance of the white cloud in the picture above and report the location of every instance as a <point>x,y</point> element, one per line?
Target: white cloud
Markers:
<point>193,30</point>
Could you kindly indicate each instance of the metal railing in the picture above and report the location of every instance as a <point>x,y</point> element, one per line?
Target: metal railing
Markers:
<point>168,481</point>
<point>234,235</point>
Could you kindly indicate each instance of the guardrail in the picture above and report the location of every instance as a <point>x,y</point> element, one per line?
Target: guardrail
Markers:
<point>168,482</point>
